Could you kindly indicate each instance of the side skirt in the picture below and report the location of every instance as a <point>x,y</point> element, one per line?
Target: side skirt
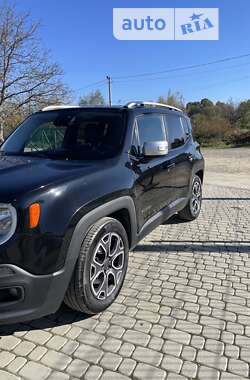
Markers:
<point>161,217</point>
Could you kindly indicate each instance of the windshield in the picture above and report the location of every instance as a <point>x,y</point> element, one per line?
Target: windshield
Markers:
<point>68,134</point>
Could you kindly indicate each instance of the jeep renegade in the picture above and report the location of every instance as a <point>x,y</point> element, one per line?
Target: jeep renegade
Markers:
<point>80,187</point>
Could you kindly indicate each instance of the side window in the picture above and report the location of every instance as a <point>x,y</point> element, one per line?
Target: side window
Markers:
<point>175,131</point>
<point>150,128</point>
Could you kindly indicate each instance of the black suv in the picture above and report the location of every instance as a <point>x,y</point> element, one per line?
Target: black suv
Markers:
<point>80,186</point>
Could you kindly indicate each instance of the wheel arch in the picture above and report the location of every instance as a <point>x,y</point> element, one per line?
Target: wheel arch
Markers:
<point>121,208</point>
<point>200,174</point>
<point>124,218</point>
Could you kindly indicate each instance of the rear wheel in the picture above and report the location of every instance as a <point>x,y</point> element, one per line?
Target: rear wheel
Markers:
<point>100,269</point>
<point>192,209</point>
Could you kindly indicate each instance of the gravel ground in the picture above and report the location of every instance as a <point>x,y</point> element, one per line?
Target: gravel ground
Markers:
<point>229,167</point>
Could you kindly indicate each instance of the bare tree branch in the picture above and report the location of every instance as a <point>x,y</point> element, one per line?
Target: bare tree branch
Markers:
<point>27,76</point>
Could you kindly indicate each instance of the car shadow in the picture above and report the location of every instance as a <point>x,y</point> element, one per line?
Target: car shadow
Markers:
<point>174,220</point>
<point>173,246</point>
<point>63,316</point>
<point>226,199</point>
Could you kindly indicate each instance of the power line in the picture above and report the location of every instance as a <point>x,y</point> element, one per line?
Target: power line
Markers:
<point>132,78</point>
<point>179,76</point>
<point>184,67</point>
<point>100,83</point>
<point>224,82</point>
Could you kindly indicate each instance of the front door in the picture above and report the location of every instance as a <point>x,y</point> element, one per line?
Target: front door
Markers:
<point>155,180</point>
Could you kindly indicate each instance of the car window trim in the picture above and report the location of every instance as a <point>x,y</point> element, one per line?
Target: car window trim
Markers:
<point>187,134</point>
<point>134,134</point>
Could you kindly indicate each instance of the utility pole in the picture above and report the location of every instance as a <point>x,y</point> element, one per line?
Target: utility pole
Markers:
<point>110,89</point>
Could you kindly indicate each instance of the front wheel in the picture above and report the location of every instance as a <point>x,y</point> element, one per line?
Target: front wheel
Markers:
<point>192,209</point>
<point>100,269</point>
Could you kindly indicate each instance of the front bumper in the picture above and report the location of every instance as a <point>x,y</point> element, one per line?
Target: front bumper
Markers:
<point>24,296</point>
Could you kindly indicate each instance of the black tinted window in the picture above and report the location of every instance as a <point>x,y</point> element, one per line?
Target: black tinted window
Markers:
<point>74,134</point>
<point>150,128</point>
<point>176,134</point>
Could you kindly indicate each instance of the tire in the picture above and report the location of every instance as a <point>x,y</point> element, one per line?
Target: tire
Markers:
<point>191,212</point>
<point>87,291</point>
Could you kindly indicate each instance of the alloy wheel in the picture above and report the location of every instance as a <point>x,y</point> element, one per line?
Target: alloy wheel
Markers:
<point>107,265</point>
<point>196,197</point>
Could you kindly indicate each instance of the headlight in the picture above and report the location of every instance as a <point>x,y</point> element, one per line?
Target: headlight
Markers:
<point>8,222</point>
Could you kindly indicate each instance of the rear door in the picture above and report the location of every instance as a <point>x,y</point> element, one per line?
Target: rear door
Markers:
<point>178,139</point>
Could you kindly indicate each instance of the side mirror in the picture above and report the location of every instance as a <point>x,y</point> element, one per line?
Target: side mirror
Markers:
<point>155,148</point>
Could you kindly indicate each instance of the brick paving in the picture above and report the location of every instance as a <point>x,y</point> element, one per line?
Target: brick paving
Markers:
<point>183,312</point>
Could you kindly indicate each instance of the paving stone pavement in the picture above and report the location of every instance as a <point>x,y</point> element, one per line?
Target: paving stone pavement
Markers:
<point>183,312</point>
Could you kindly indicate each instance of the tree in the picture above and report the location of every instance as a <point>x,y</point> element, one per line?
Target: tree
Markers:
<point>174,99</point>
<point>193,108</point>
<point>93,98</point>
<point>209,130</point>
<point>244,121</point>
<point>205,106</point>
<point>28,79</point>
<point>226,110</point>
<point>206,103</point>
<point>243,115</point>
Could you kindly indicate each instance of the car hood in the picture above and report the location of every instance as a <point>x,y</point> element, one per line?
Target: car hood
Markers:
<point>19,175</point>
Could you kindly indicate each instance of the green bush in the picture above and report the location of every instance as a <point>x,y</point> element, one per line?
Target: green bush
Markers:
<point>238,137</point>
<point>210,130</point>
